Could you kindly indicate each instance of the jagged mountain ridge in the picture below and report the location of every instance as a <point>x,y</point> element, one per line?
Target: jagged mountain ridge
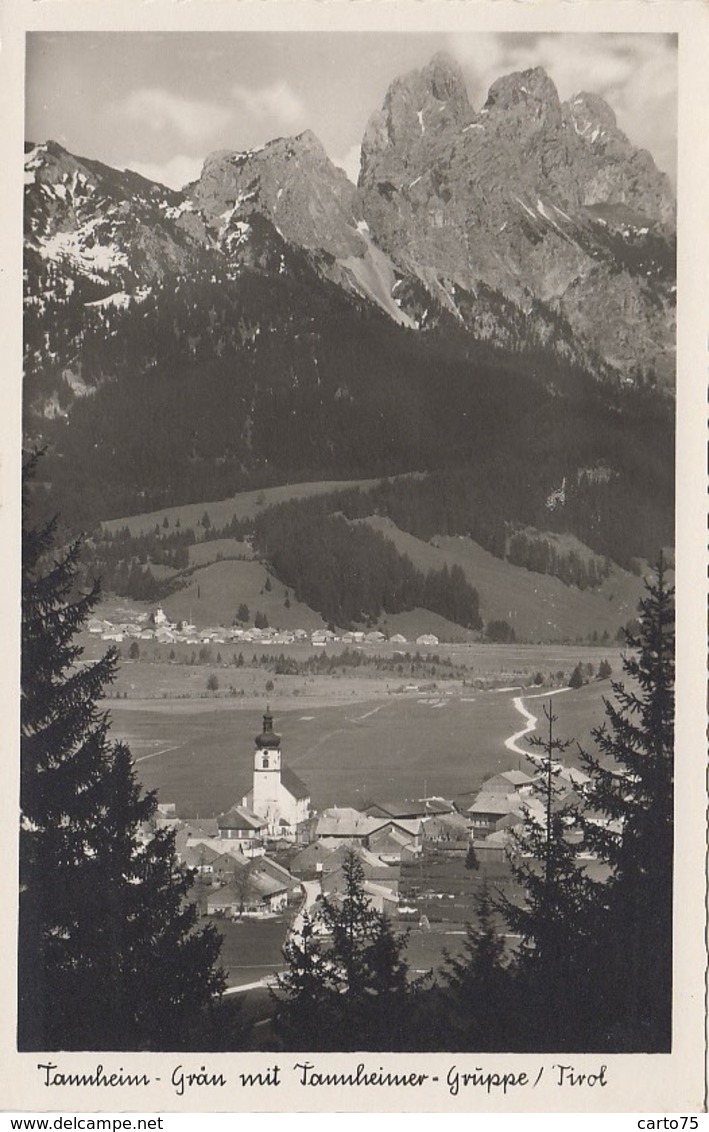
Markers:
<point>272,322</point>
<point>534,198</point>
<point>530,219</point>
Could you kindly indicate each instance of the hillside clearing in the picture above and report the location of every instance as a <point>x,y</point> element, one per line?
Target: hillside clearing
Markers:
<point>244,505</point>
<point>538,606</point>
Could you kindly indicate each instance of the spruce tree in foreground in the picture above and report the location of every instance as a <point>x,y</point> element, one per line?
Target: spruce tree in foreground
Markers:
<point>594,969</point>
<point>350,989</point>
<point>481,1004</point>
<point>555,918</point>
<point>109,954</point>
<point>630,826</point>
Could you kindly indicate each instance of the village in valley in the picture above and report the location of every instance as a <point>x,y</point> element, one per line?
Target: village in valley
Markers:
<point>155,626</point>
<point>271,857</point>
<point>264,852</point>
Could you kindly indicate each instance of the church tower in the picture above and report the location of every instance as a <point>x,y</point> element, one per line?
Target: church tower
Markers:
<point>267,772</point>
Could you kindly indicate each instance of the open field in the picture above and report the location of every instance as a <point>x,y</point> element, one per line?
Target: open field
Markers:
<point>179,671</point>
<point>252,949</point>
<point>202,553</point>
<point>199,754</point>
<point>245,505</point>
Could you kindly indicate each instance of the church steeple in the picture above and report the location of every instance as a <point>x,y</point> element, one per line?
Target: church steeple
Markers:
<point>278,796</point>
<point>268,738</point>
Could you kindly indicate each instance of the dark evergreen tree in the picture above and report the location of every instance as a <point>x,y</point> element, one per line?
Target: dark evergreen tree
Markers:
<point>304,992</point>
<point>479,987</point>
<point>576,678</point>
<point>109,955</point>
<point>554,918</point>
<point>352,989</point>
<point>630,827</point>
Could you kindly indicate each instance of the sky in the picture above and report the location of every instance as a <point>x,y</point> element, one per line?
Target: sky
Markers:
<point>159,102</point>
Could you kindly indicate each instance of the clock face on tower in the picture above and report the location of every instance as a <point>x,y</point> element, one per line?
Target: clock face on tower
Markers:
<point>267,760</point>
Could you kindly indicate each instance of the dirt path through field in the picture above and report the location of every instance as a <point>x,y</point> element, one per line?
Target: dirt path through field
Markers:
<point>518,702</point>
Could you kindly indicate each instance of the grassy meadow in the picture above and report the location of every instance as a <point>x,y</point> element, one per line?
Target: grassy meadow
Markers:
<point>244,505</point>
<point>198,753</point>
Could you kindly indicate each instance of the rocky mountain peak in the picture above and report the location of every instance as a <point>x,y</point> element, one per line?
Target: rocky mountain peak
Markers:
<point>292,182</point>
<point>587,111</point>
<point>527,197</point>
<point>529,92</point>
<point>422,110</point>
<point>611,171</point>
<point>444,78</point>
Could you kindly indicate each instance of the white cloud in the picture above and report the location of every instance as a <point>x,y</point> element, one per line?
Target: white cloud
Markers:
<point>275,101</point>
<point>158,110</point>
<point>177,172</point>
<point>350,162</point>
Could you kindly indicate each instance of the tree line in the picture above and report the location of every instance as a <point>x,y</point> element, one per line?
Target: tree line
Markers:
<point>350,573</point>
<point>206,388</point>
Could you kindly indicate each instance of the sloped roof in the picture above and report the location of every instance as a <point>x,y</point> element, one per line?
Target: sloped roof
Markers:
<point>269,867</point>
<point>344,821</point>
<point>373,888</point>
<point>517,777</point>
<point>450,823</point>
<point>391,835</point>
<point>238,817</point>
<point>491,803</point>
<point>403,808</point>
<point>201,827</point>
<point>311,855</point>
<point>412,826</point>
<point>197,855</point>
<point>223,897</point>
<point>500,838</point>
<point>229,861</point>
<point>576,777</point>
<point>293,784</point>
<point>262,884</point>
<point>364,855</point>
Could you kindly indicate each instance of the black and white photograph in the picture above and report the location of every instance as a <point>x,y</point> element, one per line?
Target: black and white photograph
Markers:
<point>351,539</point>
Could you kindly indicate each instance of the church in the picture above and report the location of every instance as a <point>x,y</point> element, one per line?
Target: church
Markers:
<point>278,796</point>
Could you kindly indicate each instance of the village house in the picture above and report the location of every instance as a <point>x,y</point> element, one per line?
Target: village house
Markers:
<point>392,838</point>
<point>243,827</point>
<point>380,897</point>
<point>448,828</point>
<point>490,808</point>
<point>201,858</point>
<point>509,782</point>
<point>346,824</point>
<point>251,888</point>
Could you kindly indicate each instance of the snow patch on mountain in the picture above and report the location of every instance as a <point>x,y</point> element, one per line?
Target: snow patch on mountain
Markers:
<point>373,276</point>
<point>82,249</point>
<point>121,299</point>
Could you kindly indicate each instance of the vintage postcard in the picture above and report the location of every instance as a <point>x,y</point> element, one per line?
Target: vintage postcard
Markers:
<point>354,438</point>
